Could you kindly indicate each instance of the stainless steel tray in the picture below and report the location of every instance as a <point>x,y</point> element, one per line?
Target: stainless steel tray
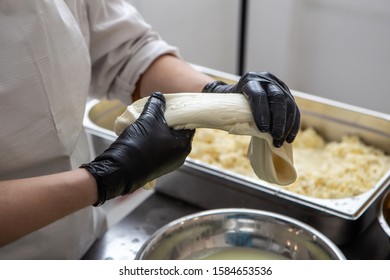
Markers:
<point>211,187</point>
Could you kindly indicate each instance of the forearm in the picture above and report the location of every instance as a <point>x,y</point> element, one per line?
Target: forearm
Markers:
<point>170,74</point>
<point>29,204</point>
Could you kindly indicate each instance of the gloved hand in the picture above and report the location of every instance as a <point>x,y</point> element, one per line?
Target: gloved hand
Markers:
<point>272,104</point>
<point>143,152</point>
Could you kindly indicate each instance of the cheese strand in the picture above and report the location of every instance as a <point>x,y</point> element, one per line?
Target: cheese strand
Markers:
<point>229,112</point>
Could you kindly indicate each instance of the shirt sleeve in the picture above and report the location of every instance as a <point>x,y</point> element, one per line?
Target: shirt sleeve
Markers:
<point>122,46</point>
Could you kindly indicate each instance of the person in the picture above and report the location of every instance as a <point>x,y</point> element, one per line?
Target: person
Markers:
<point>56,53</point>
<point>119,170</point>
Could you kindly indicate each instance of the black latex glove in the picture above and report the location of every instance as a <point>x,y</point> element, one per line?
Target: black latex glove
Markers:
<point>143,152</point>
<point>272,104</point>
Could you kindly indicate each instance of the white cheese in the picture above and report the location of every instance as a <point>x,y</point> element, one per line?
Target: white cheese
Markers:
<point>229,112</point>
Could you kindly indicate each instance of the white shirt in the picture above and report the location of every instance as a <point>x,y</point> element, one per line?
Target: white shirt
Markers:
<point>53,54</point>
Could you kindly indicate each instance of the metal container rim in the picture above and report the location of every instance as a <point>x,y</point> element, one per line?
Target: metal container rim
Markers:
<point>279,217</point>
<point>381,217</point>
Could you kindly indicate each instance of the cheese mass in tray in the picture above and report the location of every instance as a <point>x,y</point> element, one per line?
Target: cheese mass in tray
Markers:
<point>339,169</point>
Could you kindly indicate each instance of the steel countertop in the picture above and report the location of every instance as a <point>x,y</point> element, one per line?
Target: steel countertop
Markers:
<point>123,240</point>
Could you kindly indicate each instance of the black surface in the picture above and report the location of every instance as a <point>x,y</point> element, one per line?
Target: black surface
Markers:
<point>372,244</point>
<point>242,36</point>
<point>122,241</point>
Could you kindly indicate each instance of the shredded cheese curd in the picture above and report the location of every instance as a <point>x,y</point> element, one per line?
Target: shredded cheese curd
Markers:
<point>325,170</point>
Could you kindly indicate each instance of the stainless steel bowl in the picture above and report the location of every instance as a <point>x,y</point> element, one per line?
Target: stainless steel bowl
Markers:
<point>235,233</point>
<point>384,213</point>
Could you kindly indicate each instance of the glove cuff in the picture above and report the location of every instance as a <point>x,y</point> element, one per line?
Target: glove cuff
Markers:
<point>212,86</point>
<point>108,187</point>
<point>102,194</point>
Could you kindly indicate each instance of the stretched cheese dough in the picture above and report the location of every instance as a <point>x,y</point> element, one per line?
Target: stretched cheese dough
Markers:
<point>229,112</point>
